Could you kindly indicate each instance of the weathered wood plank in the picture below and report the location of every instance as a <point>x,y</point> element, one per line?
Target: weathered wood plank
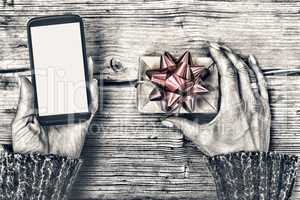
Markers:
<point>125,30</point>
<point>132,156</point>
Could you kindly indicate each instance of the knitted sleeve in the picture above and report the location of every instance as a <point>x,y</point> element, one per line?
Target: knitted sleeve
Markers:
<point>253,175</point>
<point>34,176</point>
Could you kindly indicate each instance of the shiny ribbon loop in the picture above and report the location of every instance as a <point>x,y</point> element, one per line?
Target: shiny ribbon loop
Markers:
<point>177,81</point>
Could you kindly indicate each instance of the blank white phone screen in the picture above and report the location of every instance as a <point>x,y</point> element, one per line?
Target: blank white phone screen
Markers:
<point>59,69</point>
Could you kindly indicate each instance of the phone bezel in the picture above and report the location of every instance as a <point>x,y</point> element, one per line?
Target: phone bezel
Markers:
<point>61,118</point>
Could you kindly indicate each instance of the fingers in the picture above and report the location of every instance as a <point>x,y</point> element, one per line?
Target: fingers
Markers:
<point>93,87</point>
<point>94,96</point>
<point>26,100</point>
<point>263,91</point>
<point>224,65</point>
<point>243,74</point>
<point>262,83</point>
<point>90,68</point>
<point>228,76</point>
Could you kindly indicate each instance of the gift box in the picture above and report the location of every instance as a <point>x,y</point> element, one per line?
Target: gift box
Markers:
<point>183,85</point>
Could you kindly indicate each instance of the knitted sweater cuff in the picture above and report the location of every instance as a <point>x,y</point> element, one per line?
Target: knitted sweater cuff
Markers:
<point>35,176</point>
<point>253,175</point>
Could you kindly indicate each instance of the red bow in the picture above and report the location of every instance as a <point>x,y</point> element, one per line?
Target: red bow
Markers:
<point>178,82</point>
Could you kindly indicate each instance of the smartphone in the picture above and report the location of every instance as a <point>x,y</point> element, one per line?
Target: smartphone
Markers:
<point>59,69</point>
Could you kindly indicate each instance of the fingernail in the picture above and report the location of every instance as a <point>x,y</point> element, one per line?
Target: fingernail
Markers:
<point>252,60</point>
<point>167,124</point>
<point>226,48</point>
<point>215,45</point>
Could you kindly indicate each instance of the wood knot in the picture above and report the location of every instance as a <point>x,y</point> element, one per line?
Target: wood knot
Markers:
<point>8,3</point>
<point>116,65</point>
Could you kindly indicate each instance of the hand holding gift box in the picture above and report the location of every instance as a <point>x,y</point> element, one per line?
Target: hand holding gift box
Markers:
<point>182,85</point>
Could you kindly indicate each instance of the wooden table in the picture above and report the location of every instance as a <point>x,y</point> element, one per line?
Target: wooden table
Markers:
<point>132,156</point>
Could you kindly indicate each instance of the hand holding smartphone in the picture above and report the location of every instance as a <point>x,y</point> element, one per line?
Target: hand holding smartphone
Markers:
<point>59,69</point>
<point>63,90</point>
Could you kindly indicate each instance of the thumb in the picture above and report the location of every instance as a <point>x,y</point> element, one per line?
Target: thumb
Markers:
<point>199,134</point>
<point>94,99</point>
<point>189,128</point>
<point>26,99</point>
<point>179,122</point>
<point>90,68</point>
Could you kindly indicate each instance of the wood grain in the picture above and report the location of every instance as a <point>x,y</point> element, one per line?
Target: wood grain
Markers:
<point>132,156</point>
<point>124,30</point>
